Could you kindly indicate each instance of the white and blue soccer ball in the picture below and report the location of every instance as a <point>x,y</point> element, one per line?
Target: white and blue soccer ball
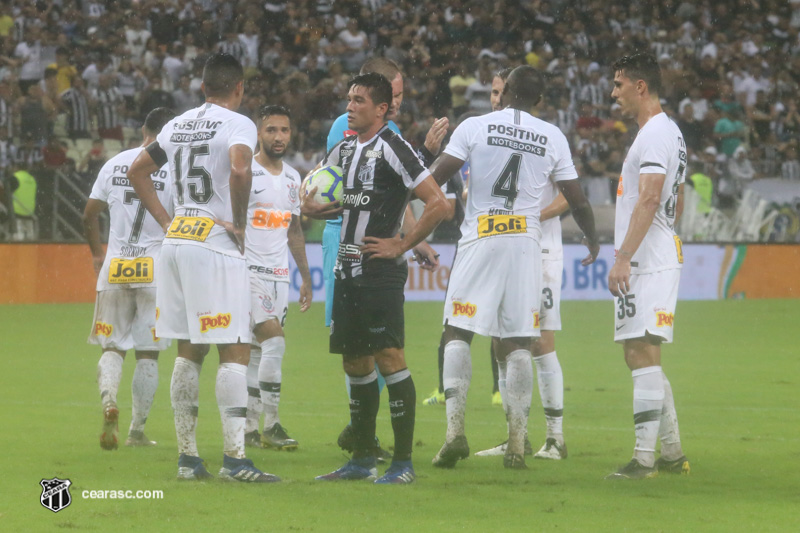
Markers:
<point>329,184</point>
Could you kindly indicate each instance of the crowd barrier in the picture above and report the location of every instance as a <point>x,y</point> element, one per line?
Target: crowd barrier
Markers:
<point>62,273</point>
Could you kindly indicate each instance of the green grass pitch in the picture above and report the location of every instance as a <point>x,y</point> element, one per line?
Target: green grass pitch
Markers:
<point>734,369</point>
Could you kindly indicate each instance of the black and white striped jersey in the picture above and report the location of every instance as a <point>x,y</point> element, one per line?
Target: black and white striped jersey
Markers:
<point>378,176</point>
<point>107,102</point>
<point>78,118</point>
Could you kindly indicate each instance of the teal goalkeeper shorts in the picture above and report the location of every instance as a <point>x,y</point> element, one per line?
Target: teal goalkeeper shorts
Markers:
<point>330,247</point>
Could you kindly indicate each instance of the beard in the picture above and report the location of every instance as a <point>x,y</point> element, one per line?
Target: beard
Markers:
<point>274,155</point>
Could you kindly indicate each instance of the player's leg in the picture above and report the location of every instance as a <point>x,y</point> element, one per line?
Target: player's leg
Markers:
<point>551,392</point>
<point>672,458</point>
<point>145,376</point>
<point>252,435</point>
<point>269,335</point>
<point>402,406</point>
<point>497,397</point>
<point>516,355</point>
<point>437,396</point>
<point>184,393</point>
<point>111,329</point>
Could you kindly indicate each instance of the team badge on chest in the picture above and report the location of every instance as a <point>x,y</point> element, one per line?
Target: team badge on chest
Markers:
<point>366,173</point>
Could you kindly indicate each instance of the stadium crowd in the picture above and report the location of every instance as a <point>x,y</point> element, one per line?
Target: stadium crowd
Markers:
<point>78,77</point>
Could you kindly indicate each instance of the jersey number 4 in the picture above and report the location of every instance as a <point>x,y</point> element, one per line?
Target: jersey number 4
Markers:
<point>506,184</point>
<point>200,192</point>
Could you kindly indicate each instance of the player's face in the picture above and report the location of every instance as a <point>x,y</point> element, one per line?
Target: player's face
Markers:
<point>274,135</point>
<point>397,97</point>
<point>625,93</point>
<point>497,93</point>
<point>362,113</point>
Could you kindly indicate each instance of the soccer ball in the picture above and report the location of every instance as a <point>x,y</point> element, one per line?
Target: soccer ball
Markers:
<point>328,181</point>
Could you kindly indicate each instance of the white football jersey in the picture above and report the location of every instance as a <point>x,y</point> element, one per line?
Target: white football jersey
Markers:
<point>513,157</point>
<point>134,237</point>
<point>197,144</point>
<point>273,201</point>
<point>657,149</point>
<point>552,247</point>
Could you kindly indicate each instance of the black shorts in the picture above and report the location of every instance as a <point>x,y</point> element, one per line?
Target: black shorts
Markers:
<point>366,320</point>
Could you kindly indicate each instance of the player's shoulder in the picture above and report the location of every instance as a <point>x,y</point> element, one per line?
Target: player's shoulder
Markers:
<point>124,158</point>
<point>291,173</point>
<point>660,130</point>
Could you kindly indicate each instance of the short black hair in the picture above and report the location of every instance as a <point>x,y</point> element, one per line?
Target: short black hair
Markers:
<point>157,118</point>
<point>379,88</point>
<point>525,84</point>
<point>221,74</point>
<point>640,66</point>
<point>266,111</point>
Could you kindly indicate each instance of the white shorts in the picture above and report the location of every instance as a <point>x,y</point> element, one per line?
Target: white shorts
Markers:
<point>268,299</point>
<point>125,319</point>
<point>202,296</point>
<point>550,311</point>
<point>490,293</point>
<point>649,307</point>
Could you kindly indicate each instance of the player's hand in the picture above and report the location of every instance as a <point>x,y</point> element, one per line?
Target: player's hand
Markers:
<point>313,209</point>
<point>426,256</point>
<point>594,249</point>
<point>433,140</point>
<point>236,234</point>
<point>382,248</point>
<point>305,296</point>
<point>619,278</point>
<point>97,263</point>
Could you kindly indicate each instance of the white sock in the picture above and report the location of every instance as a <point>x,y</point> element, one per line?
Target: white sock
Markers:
<point>184,391</point>
<point>648,400</point>
<point>109,374</point>
<point>143,389</point>
<point>457,374</point>
<point>551,390</point>
<point>254,407</point>
<point>231,392</point>
<point>668,430</point>
<point>502,370</point>
<point>269,378</point>
<point>519,385</point>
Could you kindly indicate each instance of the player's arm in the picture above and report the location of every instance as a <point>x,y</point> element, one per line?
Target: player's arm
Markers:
<point>434,138</point>
<point>437,208</point>
<point>240,180</point>
<point>558,207</point>
<point>583,215</point>
<point>444,167</point>
<point>650,187</point>
<point>91,229</point>
<point>148,161</point>
<point>311,208</point>
<point>424,254</point>
<point>297,245</point>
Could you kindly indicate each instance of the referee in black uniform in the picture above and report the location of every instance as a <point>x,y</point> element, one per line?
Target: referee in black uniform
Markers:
<point>381,172</point>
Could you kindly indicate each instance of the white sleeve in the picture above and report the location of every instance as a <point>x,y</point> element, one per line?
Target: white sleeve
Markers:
<point>564,168</point>
<point>243,131</point>
<point>459,144</point>
<point>655,154</point>
<point>101,185</point>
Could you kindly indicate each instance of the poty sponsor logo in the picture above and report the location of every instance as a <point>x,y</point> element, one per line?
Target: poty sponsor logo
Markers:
<point>535,319</point>
<point>664,319</point>
<point>466,309</point>
<point>101,328</point>
<point>214,322</point>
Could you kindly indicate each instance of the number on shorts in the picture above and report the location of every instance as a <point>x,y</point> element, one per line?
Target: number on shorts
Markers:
<point>138,219</point>
<point>548,298</point>
<point>201,192</point>
<point>506,184</point>
<point>283,318</point>
<point>626,306</point>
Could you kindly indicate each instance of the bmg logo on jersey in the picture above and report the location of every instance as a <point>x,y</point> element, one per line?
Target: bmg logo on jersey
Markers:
<point>139,270</point>
<point>101,328</point>
<point>664,319</point>
<point>208,322</point>
<point>190,228</point>
<point>465,309</point>
<point>271,219</point>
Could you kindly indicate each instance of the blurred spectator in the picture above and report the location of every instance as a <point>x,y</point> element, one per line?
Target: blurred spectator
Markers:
<point>790,169</point>
<point>109,109</point>
<point>184,97</point>
<point>730,131</point>
<point>29,52</point>
<point>54,154</point>
<point>355,43</point>
<point>94,160</point>
<point>22,186</point>
<point>154,97</point>
<point>458,84</point>
<point>65,72</point>
<point>75,102</point>
<point>478,92</point>
<point>36,112</point>
<point>740,169</point>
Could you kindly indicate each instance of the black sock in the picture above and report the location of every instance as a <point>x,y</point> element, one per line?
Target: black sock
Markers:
<point>441,364</point>
<point>364,402</point>
<point>402,406</point>
<point>495,371</point>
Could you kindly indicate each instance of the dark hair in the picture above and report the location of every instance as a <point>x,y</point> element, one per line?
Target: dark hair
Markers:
<point>503,73</point>
<point>221,74</point>
<point>525,84</point>
<point>266,111</point>
<point>382,65</point>
<point>157,118</point>
<point>379,88</point>
<point>640,66</point>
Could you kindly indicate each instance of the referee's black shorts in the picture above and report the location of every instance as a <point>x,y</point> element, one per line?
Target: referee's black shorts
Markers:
<point>366,320</point>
